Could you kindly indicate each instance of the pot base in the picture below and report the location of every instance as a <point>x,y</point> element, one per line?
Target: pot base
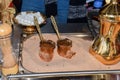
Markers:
<point>103,60</point>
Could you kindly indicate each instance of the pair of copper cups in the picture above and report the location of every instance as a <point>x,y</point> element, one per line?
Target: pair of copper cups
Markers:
<point>63,46</point>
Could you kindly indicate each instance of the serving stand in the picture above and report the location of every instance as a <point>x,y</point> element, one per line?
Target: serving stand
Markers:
<point>106,46</point>
<point>31,67</point>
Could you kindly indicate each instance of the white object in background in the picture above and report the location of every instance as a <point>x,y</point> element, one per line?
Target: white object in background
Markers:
<point>25,18</point>
<point>107,1</point>
<point>87,1</point>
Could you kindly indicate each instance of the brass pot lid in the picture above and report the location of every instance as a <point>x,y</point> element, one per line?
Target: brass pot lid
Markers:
<point>111,11</point>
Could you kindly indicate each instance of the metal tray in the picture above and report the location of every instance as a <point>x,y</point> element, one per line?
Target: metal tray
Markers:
<point>82,63</point>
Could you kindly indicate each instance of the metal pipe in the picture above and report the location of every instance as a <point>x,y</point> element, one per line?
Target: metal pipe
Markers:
<point>59,74</point>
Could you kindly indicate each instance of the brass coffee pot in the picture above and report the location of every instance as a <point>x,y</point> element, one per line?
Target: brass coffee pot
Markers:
<point>106,46</point>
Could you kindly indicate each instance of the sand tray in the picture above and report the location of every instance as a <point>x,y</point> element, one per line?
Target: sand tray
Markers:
<point>82,61</point>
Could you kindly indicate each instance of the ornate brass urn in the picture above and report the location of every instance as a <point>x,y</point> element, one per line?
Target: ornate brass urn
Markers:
<point>106,46</point>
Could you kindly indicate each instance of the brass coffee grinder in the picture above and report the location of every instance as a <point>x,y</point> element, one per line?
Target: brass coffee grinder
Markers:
<point>106,46</point>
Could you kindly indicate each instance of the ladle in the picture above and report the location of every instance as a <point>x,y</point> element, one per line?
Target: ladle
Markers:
<point>38,28</point>
<point>55,26</point>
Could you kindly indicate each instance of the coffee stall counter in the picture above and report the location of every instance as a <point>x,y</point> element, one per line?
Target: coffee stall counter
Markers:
<point>83,63</point>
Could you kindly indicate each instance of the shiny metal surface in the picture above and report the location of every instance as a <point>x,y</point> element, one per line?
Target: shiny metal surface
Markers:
<point>34,76</point>
<point>106,48</point>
